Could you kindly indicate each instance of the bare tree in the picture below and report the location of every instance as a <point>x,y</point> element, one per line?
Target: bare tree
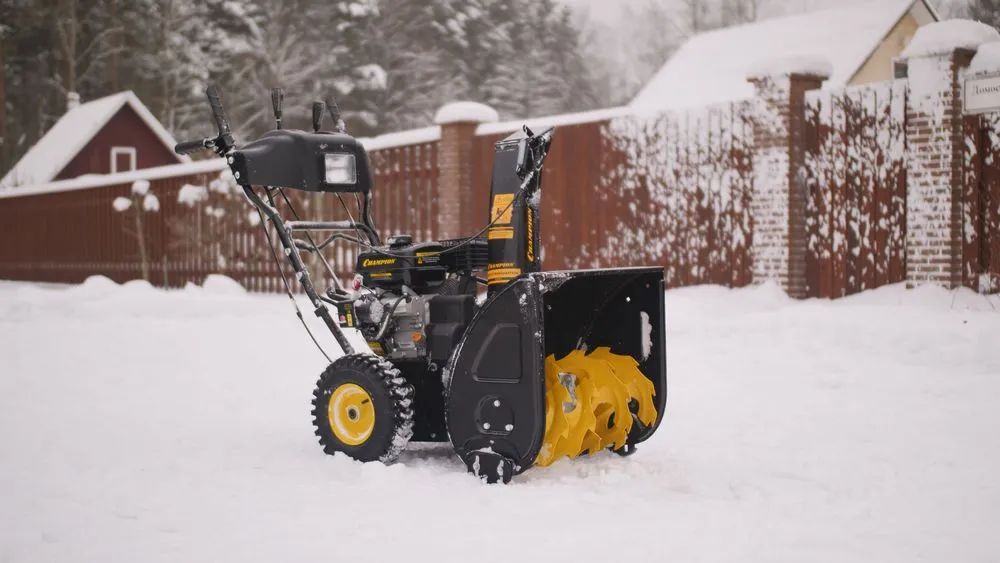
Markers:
<point>141,201</point>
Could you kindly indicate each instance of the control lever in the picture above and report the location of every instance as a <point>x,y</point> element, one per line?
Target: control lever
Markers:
<point>317,116</point>
<point>334,110</point>
<point>277,97</point>
<point>224,141</point>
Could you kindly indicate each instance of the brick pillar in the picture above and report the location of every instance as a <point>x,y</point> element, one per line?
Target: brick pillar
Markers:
<point>778,207</point>
<point>935,177</point>
<point>458,122</point>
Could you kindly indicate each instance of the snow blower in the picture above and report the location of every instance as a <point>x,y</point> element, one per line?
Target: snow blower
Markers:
<point>468,340</point>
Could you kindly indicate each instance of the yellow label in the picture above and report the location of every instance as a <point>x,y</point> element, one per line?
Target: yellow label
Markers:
<point>381,275</point>
<point>531,238</point>
<point>502,275</point>
<point>376,348</point>
<point>500,266</point>
<point>368,262</point>
<point>503,209</point>
<point>500,233</point>
<point>434,253</point>
<point>350,320</point>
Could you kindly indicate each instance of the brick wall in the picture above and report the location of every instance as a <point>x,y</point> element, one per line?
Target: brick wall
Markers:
<point>935,178</point>
<point>779,203</point>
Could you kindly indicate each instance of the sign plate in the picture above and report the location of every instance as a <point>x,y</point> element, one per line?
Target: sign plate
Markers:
<point>982,94</point>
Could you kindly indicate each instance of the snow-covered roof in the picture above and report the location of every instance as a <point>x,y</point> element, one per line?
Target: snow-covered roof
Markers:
<point>944,37</point>
<point>71,134</point>
<point>713,67</point>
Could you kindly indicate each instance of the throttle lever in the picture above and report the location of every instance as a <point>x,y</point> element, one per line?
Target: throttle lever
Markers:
<point>215,100</point>
<point>317,116</point>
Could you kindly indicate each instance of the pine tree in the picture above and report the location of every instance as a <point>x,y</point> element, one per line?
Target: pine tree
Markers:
<point>401,87</point>
<point>986,11</point>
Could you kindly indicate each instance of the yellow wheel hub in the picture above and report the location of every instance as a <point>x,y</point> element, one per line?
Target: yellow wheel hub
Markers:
<point>587,400</point>
<point>351,414</point>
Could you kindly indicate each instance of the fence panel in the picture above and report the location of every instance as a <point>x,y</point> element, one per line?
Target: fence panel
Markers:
<point>672,190</point>
<point>200,224</point>
<point>981,203</point>
<point>856,177</point>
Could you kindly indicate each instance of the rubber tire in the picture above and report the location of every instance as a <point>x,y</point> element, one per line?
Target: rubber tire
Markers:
<point>391,395</point>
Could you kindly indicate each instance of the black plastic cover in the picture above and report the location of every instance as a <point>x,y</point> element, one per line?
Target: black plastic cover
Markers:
<point>290,158</point>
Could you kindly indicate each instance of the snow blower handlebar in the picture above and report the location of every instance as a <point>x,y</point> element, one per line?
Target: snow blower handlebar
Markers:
<point>225,146</point>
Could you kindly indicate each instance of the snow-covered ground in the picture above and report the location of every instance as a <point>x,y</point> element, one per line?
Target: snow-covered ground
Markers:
<point>141,425</point>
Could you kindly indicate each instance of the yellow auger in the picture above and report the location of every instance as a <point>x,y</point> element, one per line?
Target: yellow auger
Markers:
<point>587,403</point>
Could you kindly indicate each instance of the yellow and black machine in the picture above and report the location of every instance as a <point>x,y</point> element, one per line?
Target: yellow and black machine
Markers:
<point>469,340</point>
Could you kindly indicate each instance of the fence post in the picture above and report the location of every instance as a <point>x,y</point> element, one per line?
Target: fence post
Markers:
<point>778,207</point>
<point>934,61</point>
<point>458,121</point>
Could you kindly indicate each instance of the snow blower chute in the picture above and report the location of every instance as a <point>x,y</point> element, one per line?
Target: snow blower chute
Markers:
<point>543,365</point>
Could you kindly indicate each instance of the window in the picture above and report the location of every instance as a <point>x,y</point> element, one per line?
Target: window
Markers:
<point>122,159</point>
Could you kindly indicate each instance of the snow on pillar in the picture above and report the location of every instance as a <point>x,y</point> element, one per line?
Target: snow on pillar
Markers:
<point>779,200</point>
<point>934,60</point>
<point>458,123</point>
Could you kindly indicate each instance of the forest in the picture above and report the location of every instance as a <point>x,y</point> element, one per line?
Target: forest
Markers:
<point>389,63</point>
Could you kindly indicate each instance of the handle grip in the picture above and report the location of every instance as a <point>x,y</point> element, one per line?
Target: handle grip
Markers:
<point>189,147</point>
<point>215,100</point>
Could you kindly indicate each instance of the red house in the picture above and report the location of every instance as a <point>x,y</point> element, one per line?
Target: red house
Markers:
<point>113,134</point>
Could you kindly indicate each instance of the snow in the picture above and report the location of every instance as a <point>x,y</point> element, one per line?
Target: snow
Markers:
<point>785,66</point>
<point>402,138</point>
<point>150,203</point>
<point>537,124</point>
<point>987,59</point>
<point>223,285</point>
<point>944,37</point>
<point>96,181</point>
<point>191,195</point>
<point>121,203</point>
<point>712,67</point>
<point>72,132</point>
<point>140,187</point>
<point>458,112</point>
<point>152,425</point>
<point>373,77</point>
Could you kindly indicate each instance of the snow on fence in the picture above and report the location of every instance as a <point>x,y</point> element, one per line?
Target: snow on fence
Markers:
<point>981,210</point>
<point>671,189</point>
<point>681,183</point>
<point>855,174</point>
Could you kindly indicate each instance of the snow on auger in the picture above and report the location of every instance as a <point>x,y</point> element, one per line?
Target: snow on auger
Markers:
<point>546,365</point>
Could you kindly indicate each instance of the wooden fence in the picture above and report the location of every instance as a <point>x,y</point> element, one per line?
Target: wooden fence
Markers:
<point>981,203</point>
<point>68,231</point>
<point>856,181</point>
<point>671,190</point>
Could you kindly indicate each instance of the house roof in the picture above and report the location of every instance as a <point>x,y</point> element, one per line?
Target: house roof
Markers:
<point>71,134</point>
<point>712,67</point>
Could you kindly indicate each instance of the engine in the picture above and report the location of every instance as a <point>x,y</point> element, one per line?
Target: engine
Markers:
<point>394,325</point>
<point>415,300</point>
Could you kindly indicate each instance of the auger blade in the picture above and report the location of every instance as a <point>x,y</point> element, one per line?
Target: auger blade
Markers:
<point>626,369</point>
<point>587,400</point>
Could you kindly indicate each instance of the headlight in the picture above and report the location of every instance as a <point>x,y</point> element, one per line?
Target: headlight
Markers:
<point>340,168</point>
